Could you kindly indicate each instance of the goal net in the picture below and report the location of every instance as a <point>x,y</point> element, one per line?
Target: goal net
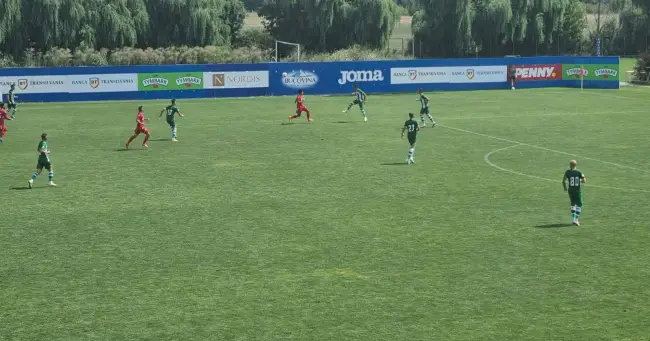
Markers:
<point>286,51</point>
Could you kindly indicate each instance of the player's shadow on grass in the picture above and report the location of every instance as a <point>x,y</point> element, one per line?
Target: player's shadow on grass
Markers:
<point>347,122</point>
<point>158,140</point>
<point>394,164</point>
<point>130,149</point>
<point>553,226</point>
<point>22,188</point>
<point>292,123</point>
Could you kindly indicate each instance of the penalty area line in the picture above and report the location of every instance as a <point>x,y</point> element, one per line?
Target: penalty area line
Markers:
<point>486,158</point>
<point>543,148</point>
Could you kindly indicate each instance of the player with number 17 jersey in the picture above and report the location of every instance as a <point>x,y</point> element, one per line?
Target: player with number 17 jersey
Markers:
<point>172,111</point>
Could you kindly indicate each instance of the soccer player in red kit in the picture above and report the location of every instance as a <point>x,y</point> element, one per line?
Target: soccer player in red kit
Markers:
<point>3,116</point>
<point>140,128</point>
<point>300,107</point>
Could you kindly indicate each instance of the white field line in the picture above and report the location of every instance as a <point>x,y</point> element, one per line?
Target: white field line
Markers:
<point>544,148</point>
<point>543,115</point>
<point>637,88</point>
<point>597,93</point>
<point>486,158</point>
<point>444,94</point>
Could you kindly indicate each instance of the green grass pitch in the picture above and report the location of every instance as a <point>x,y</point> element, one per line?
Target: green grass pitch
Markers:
<point>250,228</point>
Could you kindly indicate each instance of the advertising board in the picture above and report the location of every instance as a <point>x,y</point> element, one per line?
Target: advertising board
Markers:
<point>149,82</point>
<point>36,84</point>
<point>536,72</point>
<point>117,82</point>
<point>299,79</point>
<point>419,75</point>
<point>478,74</point>
<point>328,77</point>
<point>236,80</point>
<point>170,81</point>
<point>591,71</point>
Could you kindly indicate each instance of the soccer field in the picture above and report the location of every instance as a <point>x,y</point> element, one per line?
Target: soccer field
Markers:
<point>252,228</point>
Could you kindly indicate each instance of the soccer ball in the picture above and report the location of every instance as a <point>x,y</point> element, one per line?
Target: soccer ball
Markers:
<point>513,88</point>
<point>284,74</point>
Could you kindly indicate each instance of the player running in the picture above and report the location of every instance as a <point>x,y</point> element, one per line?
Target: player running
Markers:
<point>360,100</point>
<point>411,128</point>
<point>574,178</point>
<point>3,126</point>
<point>140,128</point>
<point>424,110</point>
<point>301,107</point>
<point>171,111</point>
<point>11,98</point>
<point>43,161</point>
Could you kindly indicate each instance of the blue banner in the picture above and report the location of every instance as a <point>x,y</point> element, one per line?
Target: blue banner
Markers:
<point>278,79</point>
<point>329,78</point>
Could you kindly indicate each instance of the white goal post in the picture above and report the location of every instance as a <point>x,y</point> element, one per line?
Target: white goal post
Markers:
<point>278,42</point>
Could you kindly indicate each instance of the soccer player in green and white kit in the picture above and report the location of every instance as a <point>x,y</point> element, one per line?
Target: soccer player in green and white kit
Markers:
<point>411,128</point>
<point>43,161</point>
<point>360,100</point>
<point>424,110</point>
<point>171,111</point>
<point>574,178</point>
<point>11,99</point>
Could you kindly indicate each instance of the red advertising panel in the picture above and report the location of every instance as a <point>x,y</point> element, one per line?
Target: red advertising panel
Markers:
<point>538,72</point>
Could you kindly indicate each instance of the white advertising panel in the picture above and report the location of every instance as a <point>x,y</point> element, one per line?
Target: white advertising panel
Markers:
<point>118,82</point>
<point>478,74</point>
<point>419,75</point>
<point>236,79</point>
<point>34,84</point>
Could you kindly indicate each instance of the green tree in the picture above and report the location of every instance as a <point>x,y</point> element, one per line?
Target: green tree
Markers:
<point>573,28</point>
<point>233,15</point>
<point>73,16</point>
<point>10,20</point>
<point>194,22</point>
<point>372,22</point>
<point>40,24</point>
<point>327,25</point>
<point>138,9</point>
<point>492,25</point>
<point>115,25</point>
<point>452,28</point>
<point>444,27</point>
<point>633,19</point>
